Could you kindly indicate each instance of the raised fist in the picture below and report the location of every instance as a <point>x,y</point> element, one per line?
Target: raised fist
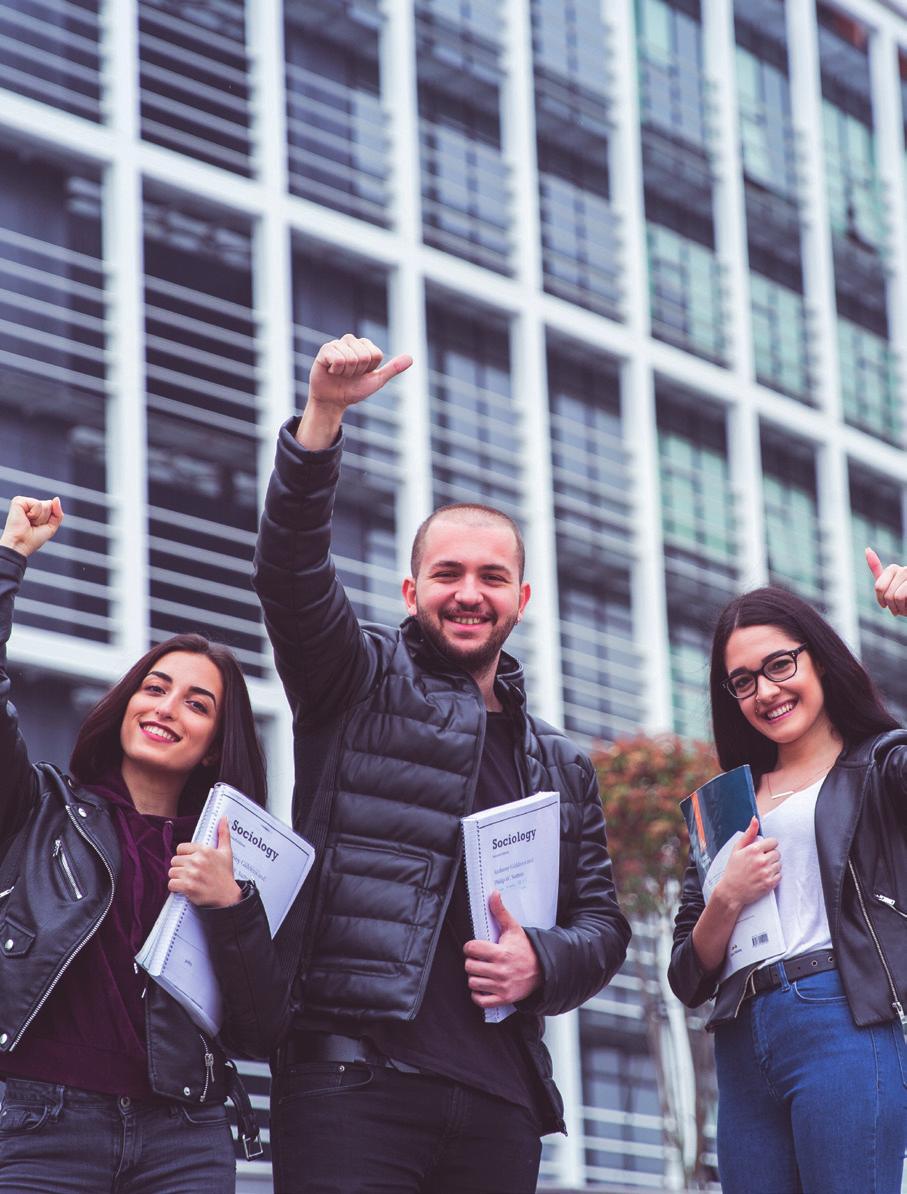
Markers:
<point>30,523</point>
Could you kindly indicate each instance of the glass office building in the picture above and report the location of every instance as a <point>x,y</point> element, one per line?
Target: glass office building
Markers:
<point>650,258</point>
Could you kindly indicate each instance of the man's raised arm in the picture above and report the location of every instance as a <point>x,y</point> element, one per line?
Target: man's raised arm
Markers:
<point>320,652</point>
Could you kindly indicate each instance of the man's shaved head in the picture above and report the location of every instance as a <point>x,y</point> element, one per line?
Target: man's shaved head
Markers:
<point>468,514</point>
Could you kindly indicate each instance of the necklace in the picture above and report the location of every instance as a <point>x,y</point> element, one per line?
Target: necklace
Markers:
<point>823,770</point>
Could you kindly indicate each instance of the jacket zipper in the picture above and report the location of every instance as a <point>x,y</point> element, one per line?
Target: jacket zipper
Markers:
<point>209,1069</point>
<point>889,903</point>
<point>59,854</point>
<point>456,872</point>
<point>895,1002</point>
<point>79,944</point>
<point>434,941</point>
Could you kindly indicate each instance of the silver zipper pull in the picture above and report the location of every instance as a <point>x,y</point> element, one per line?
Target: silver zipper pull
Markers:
<point>58,845</point>
<point>889,903</point>
<point>901,1016</point>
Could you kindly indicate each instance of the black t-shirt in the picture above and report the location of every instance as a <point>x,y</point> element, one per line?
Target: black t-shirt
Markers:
<point>449,1035</point>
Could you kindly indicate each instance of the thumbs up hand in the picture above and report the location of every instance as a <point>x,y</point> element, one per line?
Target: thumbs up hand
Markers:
<point>344,372</point>
<point>204,874</point>
<point>890,584</point>
<point>505,972</point>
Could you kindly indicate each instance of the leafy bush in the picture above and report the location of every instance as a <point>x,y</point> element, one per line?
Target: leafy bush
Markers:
<point>642,781</point>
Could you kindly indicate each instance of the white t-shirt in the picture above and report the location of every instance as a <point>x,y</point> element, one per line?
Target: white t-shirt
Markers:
<point>801,904</point>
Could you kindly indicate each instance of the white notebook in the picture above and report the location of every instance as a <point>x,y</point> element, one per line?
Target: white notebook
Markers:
<point>266,850</point>
<point>514,849</point>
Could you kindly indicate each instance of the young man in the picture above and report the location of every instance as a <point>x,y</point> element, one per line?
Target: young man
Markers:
<point>390,1078</point>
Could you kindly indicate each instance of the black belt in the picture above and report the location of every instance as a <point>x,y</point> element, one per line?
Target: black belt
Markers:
<point>246,1121</point>
<point>333,1046</point>
<point>769,977</point>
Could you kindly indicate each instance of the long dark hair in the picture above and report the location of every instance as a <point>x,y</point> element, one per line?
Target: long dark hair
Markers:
<point>240,760</point>
<point>852,703</point>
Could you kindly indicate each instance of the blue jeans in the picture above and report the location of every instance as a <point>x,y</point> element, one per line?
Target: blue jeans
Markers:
<point>348,1129</point>
<point>806,1100</point>
<point>61,1140</point>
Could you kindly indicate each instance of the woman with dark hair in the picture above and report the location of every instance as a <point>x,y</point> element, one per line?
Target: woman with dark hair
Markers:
<point>109,1084</point>
<point>811,1050</point>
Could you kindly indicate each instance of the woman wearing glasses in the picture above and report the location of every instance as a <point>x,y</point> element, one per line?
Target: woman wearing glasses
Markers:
<point>811,1051</point>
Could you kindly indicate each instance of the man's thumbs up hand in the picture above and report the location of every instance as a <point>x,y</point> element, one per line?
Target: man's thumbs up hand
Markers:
<point>506,972</point>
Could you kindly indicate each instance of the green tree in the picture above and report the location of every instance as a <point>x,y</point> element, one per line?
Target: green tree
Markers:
<point>642,781</point>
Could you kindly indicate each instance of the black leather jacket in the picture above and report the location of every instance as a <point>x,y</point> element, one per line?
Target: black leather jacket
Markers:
<point>43,924</point>
<point>861,836</point>
<point>393,732</point>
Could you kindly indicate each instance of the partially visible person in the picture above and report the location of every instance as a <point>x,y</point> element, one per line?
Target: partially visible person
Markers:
<point>390,1079</point>
<point>810,1050</point>
<point>109,1084</point>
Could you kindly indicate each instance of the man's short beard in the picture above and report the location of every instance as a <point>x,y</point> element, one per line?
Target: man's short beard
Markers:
<point>472,660</point>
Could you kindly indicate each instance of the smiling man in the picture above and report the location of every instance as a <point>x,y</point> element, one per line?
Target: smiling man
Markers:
<point>390,1078</point>
<point>466,590</point>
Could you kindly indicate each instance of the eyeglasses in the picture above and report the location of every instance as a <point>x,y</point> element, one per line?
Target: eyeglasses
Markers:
<point>782,666</point>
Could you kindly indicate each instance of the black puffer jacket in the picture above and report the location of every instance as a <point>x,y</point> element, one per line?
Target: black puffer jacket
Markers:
<point>44,923</point>
<point>393,732</point>
<point>861,835</point>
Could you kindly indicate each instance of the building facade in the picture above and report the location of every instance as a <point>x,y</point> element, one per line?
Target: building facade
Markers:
<point>650,258</point>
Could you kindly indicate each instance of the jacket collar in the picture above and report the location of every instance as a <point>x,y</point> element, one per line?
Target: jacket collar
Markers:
<point>838,809</point>
<point>94,818</point>
<point>509,687</point>
<point>860,754</point>
<point>70,791</point>
<point>837,812</point>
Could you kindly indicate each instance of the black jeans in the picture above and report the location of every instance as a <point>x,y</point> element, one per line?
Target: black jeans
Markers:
<point>355,1128</point>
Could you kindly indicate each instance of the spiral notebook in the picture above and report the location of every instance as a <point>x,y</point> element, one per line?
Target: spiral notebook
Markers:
<point>175,953</point>
<point>514,849</point>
